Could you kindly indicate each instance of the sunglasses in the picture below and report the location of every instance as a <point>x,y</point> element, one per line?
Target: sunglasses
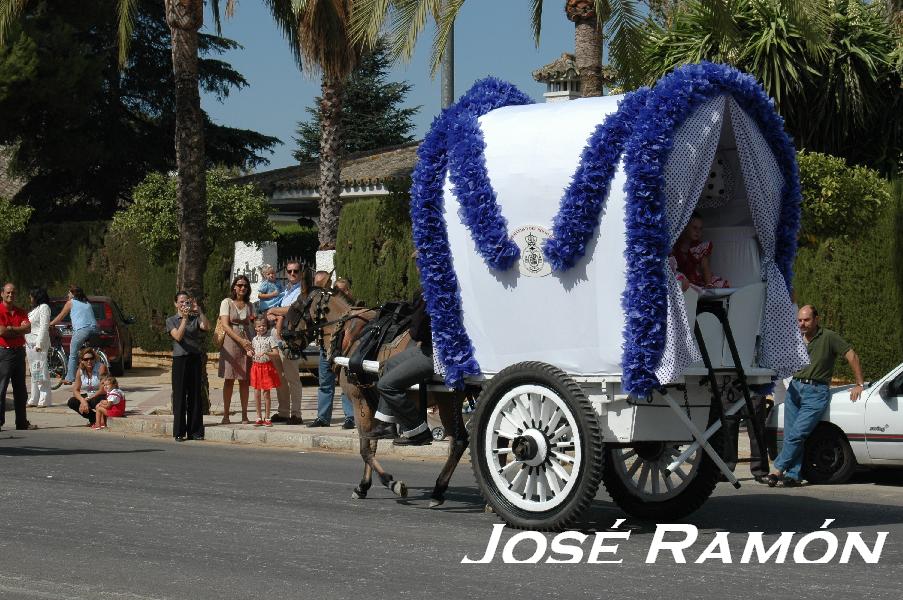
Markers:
<point>88,358</point>
<point>292,270</point>
<point>243,285</point>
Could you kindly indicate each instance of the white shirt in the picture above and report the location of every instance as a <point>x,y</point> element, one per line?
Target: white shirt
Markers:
<point>291,294</point>
<point>40,330</point>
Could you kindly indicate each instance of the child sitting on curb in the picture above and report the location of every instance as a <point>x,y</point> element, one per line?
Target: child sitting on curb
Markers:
<point>112,406</point>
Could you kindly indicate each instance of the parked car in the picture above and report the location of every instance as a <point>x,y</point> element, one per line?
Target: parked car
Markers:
<point>865,433</point>
<point>115,338</point>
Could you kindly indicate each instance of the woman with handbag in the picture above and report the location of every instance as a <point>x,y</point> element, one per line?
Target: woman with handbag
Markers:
<point>236,314</point>
<point>37,346</point>
<point>187,329</point>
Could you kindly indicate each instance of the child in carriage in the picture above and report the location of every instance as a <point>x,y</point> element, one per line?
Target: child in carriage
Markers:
<point>111,406</point>
<point>690,258</point>
<point>264,376</point>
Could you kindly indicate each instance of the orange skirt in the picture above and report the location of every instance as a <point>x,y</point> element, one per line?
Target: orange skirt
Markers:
<point>264,376</point>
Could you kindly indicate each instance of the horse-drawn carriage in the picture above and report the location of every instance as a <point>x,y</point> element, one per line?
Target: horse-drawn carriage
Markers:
<point>543,233</point>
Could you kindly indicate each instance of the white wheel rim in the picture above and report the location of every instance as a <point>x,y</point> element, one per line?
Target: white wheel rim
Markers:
<point>647,479</point>
<point>537,414</point>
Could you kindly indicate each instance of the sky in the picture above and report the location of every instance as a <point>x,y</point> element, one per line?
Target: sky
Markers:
<point>492,37</point>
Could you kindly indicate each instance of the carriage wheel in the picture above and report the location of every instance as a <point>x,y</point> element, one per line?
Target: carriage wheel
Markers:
<point>536,447</point>
<point>636,479</point>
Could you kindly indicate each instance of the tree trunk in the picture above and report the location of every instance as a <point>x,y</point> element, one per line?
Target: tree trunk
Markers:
<point>330,160</point>
<point>185,18</point>
<point>587,45</point>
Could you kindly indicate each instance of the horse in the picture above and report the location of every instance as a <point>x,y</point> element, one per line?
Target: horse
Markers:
<point>329,317</point>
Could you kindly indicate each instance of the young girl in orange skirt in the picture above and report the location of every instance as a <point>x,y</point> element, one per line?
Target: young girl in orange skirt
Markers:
<point>264,376</point>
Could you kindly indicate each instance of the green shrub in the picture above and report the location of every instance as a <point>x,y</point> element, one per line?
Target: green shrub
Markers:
<point>838,201</point>
<point>294,241</point>
<point>14,219</point>
<point>374,247</point>
<point>856,282</point>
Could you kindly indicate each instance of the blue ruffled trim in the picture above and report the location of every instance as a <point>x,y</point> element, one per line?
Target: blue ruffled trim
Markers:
<point>583,201</point>
<point>643,127</point>
<point>672,101</point>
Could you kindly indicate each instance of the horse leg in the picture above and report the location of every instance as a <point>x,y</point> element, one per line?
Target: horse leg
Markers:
<point>363,410</point>
<point>453,422</point>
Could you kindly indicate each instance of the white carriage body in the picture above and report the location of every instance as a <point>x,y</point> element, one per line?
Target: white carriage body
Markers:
<point>574,320</point>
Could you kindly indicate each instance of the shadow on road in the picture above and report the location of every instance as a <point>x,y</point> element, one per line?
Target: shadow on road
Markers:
<point>43,451</point>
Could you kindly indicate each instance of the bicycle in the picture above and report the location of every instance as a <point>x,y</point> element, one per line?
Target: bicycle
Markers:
<point>58,359</point>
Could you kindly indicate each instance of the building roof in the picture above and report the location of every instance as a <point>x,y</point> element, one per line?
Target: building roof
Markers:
<point>565,67</point>
<point>361,169</point>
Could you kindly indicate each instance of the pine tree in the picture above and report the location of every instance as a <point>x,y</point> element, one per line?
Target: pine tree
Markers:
<point>371,113</point>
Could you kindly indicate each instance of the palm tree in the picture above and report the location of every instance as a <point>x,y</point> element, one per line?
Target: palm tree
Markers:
<point>839,96</point>
<point>318,34</point>
<point>185,18</point>
<point>408,18</point>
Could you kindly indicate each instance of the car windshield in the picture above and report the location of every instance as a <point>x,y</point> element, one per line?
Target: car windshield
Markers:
<point>57,305</point>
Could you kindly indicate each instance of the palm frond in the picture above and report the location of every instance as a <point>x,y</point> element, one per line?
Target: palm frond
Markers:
<point>367,20</point>
<point>626,36</point>
<point>445,23</point>
<point>126,12</point>
<point>283,14</point>
<point>10,11</point>
<point>536,19</point>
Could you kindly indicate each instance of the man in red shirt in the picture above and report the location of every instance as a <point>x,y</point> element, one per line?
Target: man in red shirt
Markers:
<point>14,324</point>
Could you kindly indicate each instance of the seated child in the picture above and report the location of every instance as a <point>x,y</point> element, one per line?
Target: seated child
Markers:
<point>269,293</point>
<point>690,258</point>
<point>111,406</point>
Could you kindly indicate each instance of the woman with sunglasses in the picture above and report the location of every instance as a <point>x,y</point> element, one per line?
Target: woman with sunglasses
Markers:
<point>236,313</point>
<point>87,392</point>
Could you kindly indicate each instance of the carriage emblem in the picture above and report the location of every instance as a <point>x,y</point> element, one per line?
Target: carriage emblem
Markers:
<point>529,239</point>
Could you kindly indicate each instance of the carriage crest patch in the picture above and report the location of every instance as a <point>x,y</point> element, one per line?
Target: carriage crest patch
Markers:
<point>530,239</point>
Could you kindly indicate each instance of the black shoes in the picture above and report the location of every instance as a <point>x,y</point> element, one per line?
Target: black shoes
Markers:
<point>380,431</point>
<point>349,423</point>
<point>421,439</point>
<point>789,482</point>
<point>318,422</point>
<point>27,426</point>
<point>276,418</point>
<point>179,438</point>
<point>293,421</point>
<point>761,479</point>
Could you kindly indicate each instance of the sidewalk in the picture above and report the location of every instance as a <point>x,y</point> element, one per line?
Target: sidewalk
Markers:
<point>148,390</point>
<point>148,394</point>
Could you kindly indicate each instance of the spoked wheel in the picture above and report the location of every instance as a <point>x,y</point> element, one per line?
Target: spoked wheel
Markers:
<point>56,367</point>
<point>536,447</point>
<point>636,479</point>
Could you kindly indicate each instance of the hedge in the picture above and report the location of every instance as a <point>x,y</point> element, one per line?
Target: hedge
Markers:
<point>54,255</point>
<point>856,283</point>
<point>374,249</point>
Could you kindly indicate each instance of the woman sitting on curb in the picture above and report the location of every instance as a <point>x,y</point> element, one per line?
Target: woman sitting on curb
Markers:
<point>86,391</point>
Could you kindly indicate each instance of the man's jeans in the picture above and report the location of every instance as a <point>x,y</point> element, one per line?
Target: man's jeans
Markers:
<point>79,337</point>
<point>803,407</point>
<point>326,393</point>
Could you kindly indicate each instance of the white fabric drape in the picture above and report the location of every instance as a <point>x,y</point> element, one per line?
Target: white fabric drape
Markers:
<point>781,345</point>
<point>686,173</point>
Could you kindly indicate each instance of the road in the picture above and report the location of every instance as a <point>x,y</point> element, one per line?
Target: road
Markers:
<point>94,515</point>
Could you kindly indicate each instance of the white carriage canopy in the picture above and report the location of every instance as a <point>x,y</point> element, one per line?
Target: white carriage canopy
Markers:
<point>613,182</point>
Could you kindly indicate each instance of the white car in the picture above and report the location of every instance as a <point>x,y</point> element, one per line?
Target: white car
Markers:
<point>868,432</point>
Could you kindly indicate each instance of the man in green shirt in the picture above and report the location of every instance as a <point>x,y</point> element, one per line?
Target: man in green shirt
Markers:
<point>809,394</point>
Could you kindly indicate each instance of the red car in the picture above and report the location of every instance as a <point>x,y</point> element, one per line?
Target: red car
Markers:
<point>115,337</point>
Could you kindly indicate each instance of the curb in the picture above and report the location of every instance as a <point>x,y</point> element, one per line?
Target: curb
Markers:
<point>254,436</point>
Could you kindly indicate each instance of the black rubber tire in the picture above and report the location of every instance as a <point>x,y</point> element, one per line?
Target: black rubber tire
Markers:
<point>580,497</point>
<point>696,492</point>
<point>118,368</point>
<point>827,456</point>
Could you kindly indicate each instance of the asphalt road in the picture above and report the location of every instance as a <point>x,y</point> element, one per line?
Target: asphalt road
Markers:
<point>94,515</point>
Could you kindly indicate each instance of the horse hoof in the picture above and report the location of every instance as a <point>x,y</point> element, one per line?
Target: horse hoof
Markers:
<point>399,489</point>
<point>488,509</point>
<point>434,503</point>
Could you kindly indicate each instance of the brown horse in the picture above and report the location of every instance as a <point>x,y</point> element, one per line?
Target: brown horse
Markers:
<point>328,317</point>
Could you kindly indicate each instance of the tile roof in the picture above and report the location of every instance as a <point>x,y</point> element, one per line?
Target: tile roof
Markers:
<point>368,168</point>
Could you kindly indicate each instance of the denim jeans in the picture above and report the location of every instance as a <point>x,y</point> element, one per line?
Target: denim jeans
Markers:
<point>804,405</point>
<point>326,393</point>
<point>78,338</point>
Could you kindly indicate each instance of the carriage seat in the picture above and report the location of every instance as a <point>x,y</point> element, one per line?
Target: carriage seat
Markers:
<point>735,257</point>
